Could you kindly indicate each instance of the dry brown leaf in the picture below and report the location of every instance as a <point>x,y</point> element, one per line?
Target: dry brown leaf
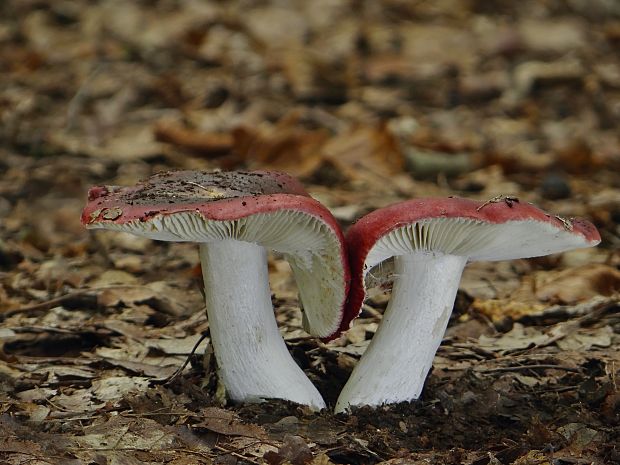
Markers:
<point>580,437</point>
<point>118,433</point>
<point>77,402</point>
<point>365,152</point>
<point>112,277</point>
<point>584,340</point>
<point>30,449</point>
<point>115,388</point>
<point>498,309</point>
<point>578,284</point>
<point>520,337</point>
<point>228,423</point>
<point>134,358</point>
<point>294,451</point>
<point>128,144</point>
<point>200,142</point>
<point>286,147</point>
<point>322,459</point>
<point>158,295</point>
<point>179,346</point>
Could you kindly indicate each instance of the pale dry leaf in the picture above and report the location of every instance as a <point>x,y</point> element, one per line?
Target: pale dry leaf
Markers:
<point>520,337</point>
<point>79,401</point>
<point>56,373</point>
<point>586,339</point>
<point>112,277</point>
<point>39,413</point>
<point>228,423</point>
<point>179,346</point>
<point>158,295</point>
<point>580,436</point>
<point>115,388</point>
<point>529,381</point>
<point>128,144</point>
<point>37,394</point>
<point>137,360</point>
<point>121,433</point>
<point>321,459</point>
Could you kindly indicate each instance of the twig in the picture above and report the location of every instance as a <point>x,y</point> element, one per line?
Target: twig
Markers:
<point>47,305</point>
<point>528,367</point>
<point>234,452</point>
<point>508,199</point>
<point>176,374</point>
<point>36,456</point>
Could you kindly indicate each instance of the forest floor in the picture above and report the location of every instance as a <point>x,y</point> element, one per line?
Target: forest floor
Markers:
<point>368,103</point>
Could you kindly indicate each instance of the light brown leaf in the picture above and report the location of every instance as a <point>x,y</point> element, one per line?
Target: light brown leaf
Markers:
<point>226,422</point>
<point>578,284</point>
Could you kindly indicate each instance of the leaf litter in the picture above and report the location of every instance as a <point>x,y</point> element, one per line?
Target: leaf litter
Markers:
<point>369,103</point>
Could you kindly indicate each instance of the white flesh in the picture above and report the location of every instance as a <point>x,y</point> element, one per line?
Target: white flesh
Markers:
<point>253,361</point>
<point>395,365</point>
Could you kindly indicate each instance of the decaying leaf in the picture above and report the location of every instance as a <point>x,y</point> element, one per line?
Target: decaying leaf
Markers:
<point>118,433</point>
<point>519,338</point>
<point>226,422</point>
<point>579,284</point>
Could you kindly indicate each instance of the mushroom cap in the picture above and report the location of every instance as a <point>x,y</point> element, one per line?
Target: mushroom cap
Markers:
<point>221,195</point>
<point>500,229</point>
<point>263,207</point>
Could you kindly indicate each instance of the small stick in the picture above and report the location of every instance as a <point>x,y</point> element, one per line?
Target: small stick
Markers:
<point>568,224</point>
<point>176,374</point>
<point>529,367</point>
<point>211,193</point>
<point>508,199</point>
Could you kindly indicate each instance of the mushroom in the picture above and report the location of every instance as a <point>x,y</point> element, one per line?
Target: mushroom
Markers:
<point>431,241</point>
<point>234,216</point>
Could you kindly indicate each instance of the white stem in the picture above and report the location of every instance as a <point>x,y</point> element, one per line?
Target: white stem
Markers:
<point>395,364</point>
<point>253,361</point>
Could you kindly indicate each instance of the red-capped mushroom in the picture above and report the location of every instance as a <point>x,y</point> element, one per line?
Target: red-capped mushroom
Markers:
<point>234,216</point>
<point>431,240</point>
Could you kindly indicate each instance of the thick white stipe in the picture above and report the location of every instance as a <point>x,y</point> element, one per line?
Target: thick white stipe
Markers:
<point>253,361</point>
<point>395,365</point>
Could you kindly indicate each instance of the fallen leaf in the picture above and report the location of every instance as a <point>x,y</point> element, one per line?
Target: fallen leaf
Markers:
<point>115,388</point>
<point>577,284</point>
<point>118,433</point>
<point>294,450</point>
<point>228,423</point>
<point>179,346</point>
<point>580,437</point>
<point>286,147</point>
<point>586,339</point>
<point>520,337</point>
<point>112,277</point>
<point>204,143</point>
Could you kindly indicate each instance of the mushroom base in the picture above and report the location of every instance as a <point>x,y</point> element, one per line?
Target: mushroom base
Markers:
<point>253,361</point>
<point>400,355</point>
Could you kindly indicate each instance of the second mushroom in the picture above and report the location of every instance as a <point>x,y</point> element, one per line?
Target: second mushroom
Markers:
<point>431,241</point>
